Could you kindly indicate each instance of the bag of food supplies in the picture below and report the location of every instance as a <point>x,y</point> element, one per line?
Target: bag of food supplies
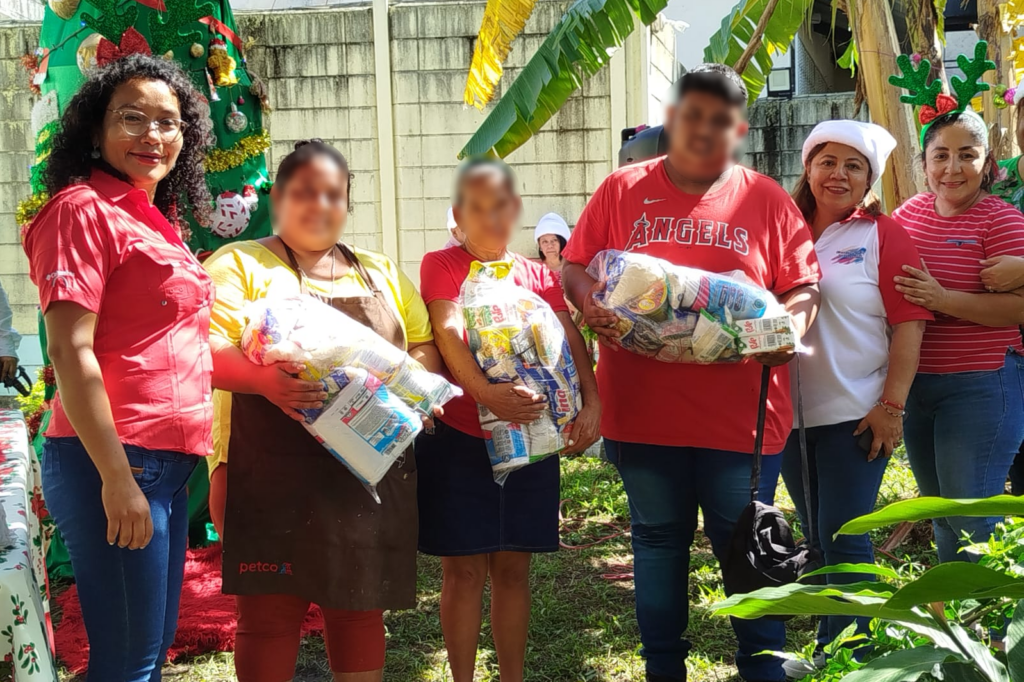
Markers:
<point>363,424</point>
<point>515,337</point>
<point>332,346</point>
<point>678,314</point>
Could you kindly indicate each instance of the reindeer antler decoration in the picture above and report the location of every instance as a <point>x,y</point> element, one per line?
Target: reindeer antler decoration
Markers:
<point>915,81</point>
<point>973,70</point>
<point>928,96</point>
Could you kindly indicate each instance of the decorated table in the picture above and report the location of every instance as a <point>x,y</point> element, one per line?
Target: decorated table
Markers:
<point>25,628</point>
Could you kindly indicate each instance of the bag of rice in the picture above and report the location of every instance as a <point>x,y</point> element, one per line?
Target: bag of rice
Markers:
<point>516,338</point>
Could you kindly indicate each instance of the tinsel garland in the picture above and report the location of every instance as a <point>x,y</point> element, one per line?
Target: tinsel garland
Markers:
<point>27,208</point>
<point>219,160</point>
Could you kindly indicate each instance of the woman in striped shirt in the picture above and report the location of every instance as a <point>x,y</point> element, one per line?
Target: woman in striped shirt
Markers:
<point>965,414</point>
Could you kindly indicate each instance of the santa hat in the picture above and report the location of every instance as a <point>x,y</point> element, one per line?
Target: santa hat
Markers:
<point>552,223</point>
<point>218,44</point>
<point>873,141</point>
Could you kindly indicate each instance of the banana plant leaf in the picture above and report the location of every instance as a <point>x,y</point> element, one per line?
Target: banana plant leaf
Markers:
<point>869,569</point>
<point>867,599</point>
<point>1014,648</point>
<point>922,508</point>
<point>580,44</point>
<point>906,665</point>
<point>729,42</point>
<point>956,580</point>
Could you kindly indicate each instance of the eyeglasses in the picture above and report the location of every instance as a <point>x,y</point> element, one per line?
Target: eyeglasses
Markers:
<point>137,124</point>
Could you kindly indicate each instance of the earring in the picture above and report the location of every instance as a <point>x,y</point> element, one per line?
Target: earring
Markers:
<point>95,153</point>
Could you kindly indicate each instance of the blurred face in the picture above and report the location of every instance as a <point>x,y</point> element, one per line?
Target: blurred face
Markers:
<point>549,246</point>
<point>838,178</point>
<point>311,209</point>
<point>488,210</point>
<point>955,165</point>
<point>704,133</point>
<point>141,134</point>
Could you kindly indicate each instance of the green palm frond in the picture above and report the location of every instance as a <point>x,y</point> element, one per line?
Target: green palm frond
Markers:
<point>739,28</point>
<point>579,45</point>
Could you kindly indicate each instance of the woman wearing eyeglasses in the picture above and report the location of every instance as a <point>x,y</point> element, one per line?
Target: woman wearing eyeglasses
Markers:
<point>127,313</point>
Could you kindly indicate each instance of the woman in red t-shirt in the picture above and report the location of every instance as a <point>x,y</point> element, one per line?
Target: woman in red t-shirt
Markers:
<point>475,525</point>
<point>127,313</point>
<point>965,415</point>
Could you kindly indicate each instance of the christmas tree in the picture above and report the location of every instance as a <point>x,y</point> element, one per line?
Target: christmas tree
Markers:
<point>80,35</point>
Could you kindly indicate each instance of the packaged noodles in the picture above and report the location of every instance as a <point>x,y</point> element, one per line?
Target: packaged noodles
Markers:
<point>326,341</point>
<point>678,314</point>
<point>516,338</point>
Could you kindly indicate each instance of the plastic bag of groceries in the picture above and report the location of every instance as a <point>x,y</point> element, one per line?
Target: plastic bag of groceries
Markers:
<point>678,314</point>
<point>364,420</point>
<point>516,338</point>
<point>330,345</point>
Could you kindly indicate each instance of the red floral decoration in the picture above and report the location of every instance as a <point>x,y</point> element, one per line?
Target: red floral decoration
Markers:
<point>49,378</point>
<point>31,63</point>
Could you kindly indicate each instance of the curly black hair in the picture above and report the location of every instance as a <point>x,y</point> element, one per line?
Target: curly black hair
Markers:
<point>71,157</point>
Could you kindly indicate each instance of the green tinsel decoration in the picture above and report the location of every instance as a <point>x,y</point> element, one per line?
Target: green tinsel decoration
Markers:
<point>166,36</point>
<point>111,23</point>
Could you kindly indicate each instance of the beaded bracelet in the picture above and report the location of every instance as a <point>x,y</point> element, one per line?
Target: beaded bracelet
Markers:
<point>897,415</point>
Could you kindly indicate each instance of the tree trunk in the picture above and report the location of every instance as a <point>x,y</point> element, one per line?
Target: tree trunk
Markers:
<point>872,25</point>
<point>1000,46</point>
<point>923,29</point>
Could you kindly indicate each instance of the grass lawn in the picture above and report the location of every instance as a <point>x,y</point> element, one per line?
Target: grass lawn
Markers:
<point>583,628</point>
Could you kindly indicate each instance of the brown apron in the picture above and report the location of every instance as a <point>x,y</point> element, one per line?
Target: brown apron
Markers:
<point>297,521</point>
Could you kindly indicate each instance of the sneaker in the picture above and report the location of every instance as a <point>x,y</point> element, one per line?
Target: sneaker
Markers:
<point>798,668</point>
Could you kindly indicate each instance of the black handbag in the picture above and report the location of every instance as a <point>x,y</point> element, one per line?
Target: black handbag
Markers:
<point>762,551</point>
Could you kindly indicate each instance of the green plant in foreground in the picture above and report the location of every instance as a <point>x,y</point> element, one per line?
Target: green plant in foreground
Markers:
<point>943,645</point>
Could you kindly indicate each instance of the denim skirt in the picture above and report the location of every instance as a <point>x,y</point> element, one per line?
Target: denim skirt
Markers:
<point>464,512</point>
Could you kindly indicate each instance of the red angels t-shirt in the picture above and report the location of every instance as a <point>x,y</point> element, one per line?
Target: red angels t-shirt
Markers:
<point>748,224</point>
<point>441,276</point>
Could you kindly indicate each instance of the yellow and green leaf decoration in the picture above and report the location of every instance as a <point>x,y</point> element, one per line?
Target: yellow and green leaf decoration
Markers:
<point>579,45</point>
<point>738,27</point>
<point>503,21</point>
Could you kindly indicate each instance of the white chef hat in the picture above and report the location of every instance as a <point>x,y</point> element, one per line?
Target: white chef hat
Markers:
<point>873,141</point>
<point>551,223</point>
<point>451,219</point>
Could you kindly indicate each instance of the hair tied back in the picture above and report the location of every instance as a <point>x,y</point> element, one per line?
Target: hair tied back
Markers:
<point>312,140</point>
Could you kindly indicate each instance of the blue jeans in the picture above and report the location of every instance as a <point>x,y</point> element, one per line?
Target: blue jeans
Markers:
<point>129,597</point>
<point>963,431</point>
<point>844,485</point>
<point>666,485</point>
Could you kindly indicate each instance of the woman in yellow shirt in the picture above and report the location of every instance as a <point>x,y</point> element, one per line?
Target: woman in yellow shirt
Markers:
<point>298,527</point>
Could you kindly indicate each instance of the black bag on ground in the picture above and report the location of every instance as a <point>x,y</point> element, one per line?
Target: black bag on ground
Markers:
<point>762,551</point>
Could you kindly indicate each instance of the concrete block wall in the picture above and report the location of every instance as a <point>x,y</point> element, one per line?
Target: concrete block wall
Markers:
<point>16,155</point>
<point>431,46</point>
<point>778,128</point>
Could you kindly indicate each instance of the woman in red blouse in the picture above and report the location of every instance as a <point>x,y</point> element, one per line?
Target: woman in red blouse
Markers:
<point>127,313</point>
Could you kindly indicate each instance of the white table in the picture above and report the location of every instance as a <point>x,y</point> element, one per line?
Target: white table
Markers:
<point>26,633</point>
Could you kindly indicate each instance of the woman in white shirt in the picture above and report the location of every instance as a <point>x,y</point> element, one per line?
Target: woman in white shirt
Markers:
<point>865,342</point>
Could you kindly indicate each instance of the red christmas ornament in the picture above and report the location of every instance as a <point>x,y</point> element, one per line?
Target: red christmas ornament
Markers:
<point>241,100</point>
